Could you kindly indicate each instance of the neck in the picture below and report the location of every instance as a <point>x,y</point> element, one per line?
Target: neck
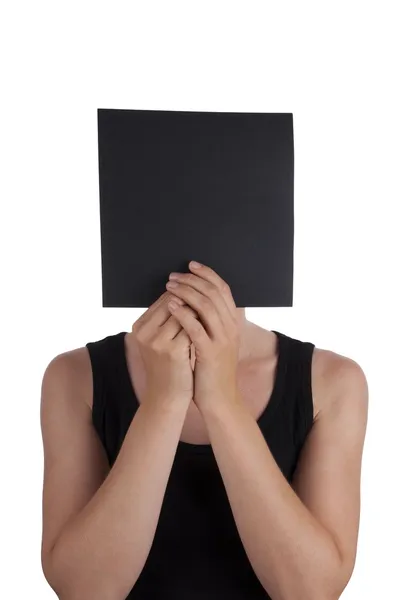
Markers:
<point>247,332</point>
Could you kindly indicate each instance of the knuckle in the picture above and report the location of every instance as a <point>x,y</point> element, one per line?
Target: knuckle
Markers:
<point>139,325</point>
<point>154,344</point>
<point>138,333</point>
<point>136,326</point>
<point>225,288</point>
<point>205,303</point>
<point>190,278</point>
<point>214,292</point>
<point>197,328</point>
<point>176,299</point>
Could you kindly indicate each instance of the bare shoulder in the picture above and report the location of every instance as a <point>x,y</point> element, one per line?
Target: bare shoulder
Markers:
<point>337,379</point>
<point>73,370</point>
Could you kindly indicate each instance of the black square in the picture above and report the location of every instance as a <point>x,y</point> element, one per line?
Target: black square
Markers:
<point>216,187</point>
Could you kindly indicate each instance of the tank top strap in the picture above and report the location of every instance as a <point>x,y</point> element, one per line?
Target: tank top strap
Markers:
<point>298,384</point>
<point>105,357</point>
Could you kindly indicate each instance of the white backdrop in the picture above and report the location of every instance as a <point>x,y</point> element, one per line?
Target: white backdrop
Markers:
<point>334,65</point>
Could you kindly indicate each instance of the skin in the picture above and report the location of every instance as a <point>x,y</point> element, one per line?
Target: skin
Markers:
<point>306,547</point>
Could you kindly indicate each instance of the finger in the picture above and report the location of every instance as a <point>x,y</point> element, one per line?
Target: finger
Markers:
<point>172,326</point>
<point>206,299</point>
<point>192,326</point>
<point>210,275</point>
<point>153,307</point>
<point>155,316</point>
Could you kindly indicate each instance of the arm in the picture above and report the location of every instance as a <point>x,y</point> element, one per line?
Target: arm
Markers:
<point>98,526</point>
<point>300,539</point>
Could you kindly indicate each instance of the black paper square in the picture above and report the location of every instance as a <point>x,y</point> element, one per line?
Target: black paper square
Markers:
<point>215,187</point>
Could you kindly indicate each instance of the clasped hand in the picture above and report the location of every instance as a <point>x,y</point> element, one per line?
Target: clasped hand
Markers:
<point>214,334</point>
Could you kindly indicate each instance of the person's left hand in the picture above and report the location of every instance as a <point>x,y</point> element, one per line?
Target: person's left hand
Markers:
<point>215,334</point>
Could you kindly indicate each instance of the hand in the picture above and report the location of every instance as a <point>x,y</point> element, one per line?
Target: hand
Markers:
<point>213,331</point>
<point>164,347</point>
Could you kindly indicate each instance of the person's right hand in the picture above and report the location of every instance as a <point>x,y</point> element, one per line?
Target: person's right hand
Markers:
<point>164,347</point>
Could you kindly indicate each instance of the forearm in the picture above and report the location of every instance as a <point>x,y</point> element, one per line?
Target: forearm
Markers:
<point>293,556</point>
<point>101,553</point>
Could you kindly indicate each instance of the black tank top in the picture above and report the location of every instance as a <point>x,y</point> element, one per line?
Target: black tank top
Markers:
<point>197,553</point>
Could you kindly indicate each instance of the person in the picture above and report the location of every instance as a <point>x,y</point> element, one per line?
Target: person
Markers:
<point>201,456</point>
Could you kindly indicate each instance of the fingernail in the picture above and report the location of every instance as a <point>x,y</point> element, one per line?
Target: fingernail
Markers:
<point>195,264</point>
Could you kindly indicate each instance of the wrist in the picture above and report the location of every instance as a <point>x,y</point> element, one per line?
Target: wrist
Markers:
<point>170,403</point>
<point>220,403</point>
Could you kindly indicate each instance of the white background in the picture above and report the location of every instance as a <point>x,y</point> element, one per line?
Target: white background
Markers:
<point>334,65</point>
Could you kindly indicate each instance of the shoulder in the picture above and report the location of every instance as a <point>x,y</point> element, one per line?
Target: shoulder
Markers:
<point>338,382</point>
<point>71,372</point>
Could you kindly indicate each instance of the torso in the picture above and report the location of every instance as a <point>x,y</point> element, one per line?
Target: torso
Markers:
<point>256,377</point>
